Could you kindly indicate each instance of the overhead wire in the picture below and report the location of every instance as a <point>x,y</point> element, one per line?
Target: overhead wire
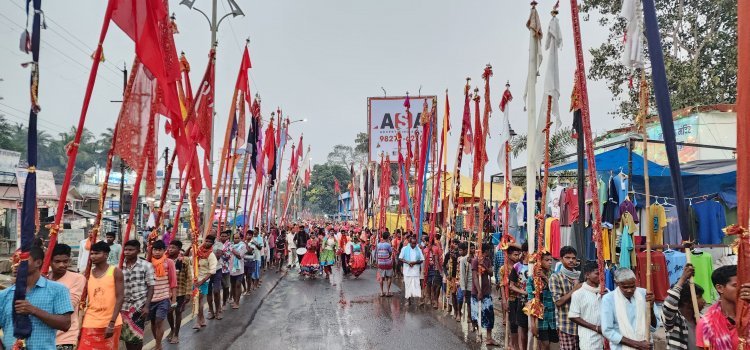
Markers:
<point>87,51</point>
<point>53,47</point>
<point>239,47</point>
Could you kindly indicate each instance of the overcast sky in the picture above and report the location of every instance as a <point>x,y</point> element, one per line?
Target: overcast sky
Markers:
<point>318,60</point>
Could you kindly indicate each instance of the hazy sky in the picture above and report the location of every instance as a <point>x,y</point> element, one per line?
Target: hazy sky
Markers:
<point>318,60</point>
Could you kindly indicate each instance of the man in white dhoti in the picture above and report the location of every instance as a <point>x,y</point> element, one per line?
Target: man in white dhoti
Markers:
<point>411,256</point>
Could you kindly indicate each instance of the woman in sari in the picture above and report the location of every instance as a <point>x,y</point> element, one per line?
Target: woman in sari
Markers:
<point>328,253</point>
<point>357,261</point>
<point>309,264</point>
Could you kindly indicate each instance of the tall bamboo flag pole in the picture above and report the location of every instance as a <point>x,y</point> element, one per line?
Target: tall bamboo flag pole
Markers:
<point>641,127</point>
<point>222,160</point>
<point>459,155</point>
<point>72,152</point>
<point>504,159</point>
<point>743,162</point>
<point>535,39</point>
<point>582,102</point>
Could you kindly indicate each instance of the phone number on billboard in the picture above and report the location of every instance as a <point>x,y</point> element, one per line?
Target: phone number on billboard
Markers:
<point>395,138</point>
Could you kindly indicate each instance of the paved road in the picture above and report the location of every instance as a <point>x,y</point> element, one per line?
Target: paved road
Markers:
<point>291,312</point>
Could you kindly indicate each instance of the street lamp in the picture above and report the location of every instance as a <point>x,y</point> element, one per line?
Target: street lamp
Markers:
<point>214,27</point>
<point>212,23</point>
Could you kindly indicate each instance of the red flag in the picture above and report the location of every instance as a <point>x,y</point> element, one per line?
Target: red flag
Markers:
<point>293,163</point>
<point>299,149</point>
<point>243,87</point>
<point>200,114</point>
<point>135,118</point>
<point>336,187</point>
<point>148,24</point>
<point>466,125</point>
<point>478,144</point>
<point>307,176</point>
<point>507,97</point>
<point>269,147</point>
<point>403,201</point>
<point>243,83</point>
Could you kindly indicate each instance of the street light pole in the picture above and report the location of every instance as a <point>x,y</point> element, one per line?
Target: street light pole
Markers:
<point>214,27</point>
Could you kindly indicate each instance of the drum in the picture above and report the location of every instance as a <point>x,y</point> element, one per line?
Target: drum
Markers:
<point>301,251</point>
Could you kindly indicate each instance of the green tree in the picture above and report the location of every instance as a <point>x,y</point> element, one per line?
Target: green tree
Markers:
<point>320,197</point>
<point>699,40</point>
<point>341,155</point>
<point>560,145</point>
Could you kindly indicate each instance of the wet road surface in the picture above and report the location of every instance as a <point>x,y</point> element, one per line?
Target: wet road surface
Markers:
<point>348,313</point>
<point>293,312</point>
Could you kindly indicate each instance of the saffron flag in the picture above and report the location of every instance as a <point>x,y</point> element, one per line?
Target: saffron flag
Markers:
<point>336,187</point>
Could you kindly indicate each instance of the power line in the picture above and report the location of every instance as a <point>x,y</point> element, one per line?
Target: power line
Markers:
<point>22,112</point>
<point>237,42</point>
<point>24,120</point>
<point>88,50</point>
<point>47,43</point>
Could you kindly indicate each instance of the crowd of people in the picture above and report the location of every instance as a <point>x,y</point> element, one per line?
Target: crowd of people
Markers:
<point>465,279</point>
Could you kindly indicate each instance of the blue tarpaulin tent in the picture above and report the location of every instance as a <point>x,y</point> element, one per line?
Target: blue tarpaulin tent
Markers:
<point>703,177</point>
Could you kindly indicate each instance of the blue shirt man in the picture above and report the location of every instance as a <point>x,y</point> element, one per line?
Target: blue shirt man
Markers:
<point>633,303</point>
<point>47,303</point>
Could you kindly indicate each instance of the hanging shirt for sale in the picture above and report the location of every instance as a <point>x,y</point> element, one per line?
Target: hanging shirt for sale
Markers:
<point>588,203</point>
<point>676,262</point>
<point>564,208</point>
<point>612,191</point>
<point>710,220</point>
<point>609,278</point>
<point>601,188</point>
<point>553,201</point>
<point>621,186</point>
<point>672,233</point>
<point>659,278</point>
<point>627,207</point>
<point>627,246</point>
<point>605,244</point>
<point>571,200</point>
<point>552,237</point>
<point>610,214</point>
<point>658,221</point>
<point>703,264</point>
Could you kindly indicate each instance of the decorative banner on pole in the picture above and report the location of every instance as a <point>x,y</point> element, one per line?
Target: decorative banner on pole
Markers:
<point>386,118</point>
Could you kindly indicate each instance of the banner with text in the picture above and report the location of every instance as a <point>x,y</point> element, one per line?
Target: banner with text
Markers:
<point>386,117</point>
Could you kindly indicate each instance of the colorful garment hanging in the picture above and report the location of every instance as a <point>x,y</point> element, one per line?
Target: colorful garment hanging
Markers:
<point>655,227</point>
<point>676,262</point>
<point>659,276</point>
<point>708,219</point>
<point>703,263</point>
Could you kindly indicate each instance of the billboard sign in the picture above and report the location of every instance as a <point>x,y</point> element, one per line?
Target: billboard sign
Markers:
<point>9,160</point>
<point>386,117</point>
<point>45,183</point>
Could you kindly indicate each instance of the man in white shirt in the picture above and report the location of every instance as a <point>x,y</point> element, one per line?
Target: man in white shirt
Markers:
<point>292,247</point>
<point>411,257</point>
<point>584,309</point>
<point>83,254</point>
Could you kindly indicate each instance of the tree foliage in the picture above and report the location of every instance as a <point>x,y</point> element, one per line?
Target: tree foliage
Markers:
<point>560,144</point>
<point>51,151</point>
<point>320,197</point>
<point>699,40</point>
